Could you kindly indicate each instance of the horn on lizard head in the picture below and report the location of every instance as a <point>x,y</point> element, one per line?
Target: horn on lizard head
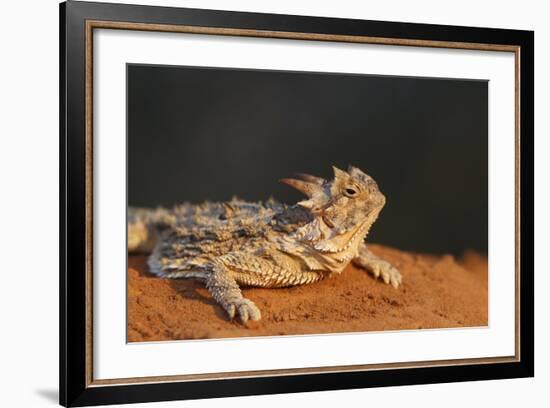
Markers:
<point>357,173</point>
<point>311,179</point>
<point>306,187</point>
<point>339,174</point>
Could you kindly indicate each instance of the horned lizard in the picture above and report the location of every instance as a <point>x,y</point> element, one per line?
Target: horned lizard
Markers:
<point>236,243</point>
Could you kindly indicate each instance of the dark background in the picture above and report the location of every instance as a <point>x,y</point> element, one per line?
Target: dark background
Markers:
<point>198,134</point>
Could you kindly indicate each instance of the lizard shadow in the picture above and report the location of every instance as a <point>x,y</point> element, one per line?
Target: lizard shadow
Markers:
<point>187,289</point>
<point>194,290</point>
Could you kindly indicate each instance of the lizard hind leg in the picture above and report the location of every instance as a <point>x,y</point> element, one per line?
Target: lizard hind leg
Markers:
<point>225,290</point>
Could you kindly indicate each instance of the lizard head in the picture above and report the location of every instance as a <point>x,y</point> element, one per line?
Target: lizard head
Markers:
<point>343,209</point>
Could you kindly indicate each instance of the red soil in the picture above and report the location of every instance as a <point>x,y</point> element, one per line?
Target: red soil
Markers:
<point>437,292</point>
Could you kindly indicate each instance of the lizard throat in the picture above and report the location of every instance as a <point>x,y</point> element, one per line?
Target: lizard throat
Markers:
<point>356,237</point>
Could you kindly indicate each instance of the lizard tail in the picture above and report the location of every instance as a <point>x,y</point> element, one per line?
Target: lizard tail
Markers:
<point>143,226</point>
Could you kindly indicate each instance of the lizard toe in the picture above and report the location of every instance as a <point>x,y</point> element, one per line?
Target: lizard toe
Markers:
<point>385,271</point>
<point>391,275</point>
<point>246,310</point>
<point>243,313</point>
<point>249,311</point>
<point>230,309</point>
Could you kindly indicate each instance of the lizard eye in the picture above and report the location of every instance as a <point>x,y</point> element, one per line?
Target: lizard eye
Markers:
<point>350,192</point>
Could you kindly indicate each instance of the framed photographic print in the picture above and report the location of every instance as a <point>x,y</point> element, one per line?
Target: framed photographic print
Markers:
<point>256,203</point>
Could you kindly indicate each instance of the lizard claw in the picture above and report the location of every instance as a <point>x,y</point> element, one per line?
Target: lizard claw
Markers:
<point>230,309</point>
<point>391,275</point>
<point>245,309</point>
<point>387,272</point>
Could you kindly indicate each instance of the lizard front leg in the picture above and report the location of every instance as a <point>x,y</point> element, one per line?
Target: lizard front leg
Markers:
<point>377,266</point>
<point>224,289</point>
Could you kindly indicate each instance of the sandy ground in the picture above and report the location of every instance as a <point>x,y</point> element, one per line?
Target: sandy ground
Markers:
<point>437,292</point>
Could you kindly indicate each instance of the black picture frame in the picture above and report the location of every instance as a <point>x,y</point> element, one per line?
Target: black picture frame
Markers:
<point>76,388</point>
